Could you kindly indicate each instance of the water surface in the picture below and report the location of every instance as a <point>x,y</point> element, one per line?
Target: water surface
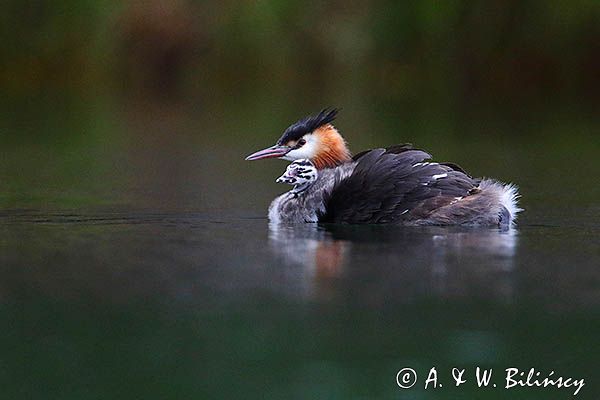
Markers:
<point>138,263</point>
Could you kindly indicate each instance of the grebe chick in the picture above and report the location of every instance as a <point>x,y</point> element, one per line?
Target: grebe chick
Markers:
<point>300,204</point>
<point>301,174</point>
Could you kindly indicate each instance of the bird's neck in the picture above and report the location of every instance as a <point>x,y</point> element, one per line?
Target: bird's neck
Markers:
<point>299,188</point>
<point>332,150</point>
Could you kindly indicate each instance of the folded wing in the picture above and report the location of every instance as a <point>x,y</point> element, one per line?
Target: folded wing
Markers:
<point>396,184</point>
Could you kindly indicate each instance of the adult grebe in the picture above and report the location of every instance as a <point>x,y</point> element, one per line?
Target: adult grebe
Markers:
<point>396,185</point>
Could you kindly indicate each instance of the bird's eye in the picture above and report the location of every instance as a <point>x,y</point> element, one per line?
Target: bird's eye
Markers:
<point>301,142</point>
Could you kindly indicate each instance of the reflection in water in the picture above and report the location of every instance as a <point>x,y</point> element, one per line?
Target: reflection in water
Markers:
<point>310,248</point>
<point>184,258</point>
<point>387,264</point>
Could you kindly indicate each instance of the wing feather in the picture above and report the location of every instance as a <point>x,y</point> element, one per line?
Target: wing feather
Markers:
<point>394,184</point>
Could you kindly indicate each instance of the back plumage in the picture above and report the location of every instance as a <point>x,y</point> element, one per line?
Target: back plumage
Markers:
<point>395,185</point>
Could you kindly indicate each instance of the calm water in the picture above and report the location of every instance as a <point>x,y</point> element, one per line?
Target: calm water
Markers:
<point>142,266</point>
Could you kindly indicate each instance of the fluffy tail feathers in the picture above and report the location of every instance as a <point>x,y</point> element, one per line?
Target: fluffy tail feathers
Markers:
<point>508,197</point>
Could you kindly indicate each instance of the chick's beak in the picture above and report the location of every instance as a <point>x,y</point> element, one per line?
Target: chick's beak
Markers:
<point>285,178</point>
<point>270,152</point>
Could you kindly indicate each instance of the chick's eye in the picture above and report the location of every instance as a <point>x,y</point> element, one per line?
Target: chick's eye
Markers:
<point>301,142</point>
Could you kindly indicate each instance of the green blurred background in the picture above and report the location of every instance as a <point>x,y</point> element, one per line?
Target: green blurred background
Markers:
<point>99,91</point>
<point>422,55</point>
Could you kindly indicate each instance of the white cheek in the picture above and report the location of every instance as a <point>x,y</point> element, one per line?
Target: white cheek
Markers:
<point>309,150</point>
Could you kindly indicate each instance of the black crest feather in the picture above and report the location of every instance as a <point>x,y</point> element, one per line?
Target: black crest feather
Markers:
<point>308,125</point>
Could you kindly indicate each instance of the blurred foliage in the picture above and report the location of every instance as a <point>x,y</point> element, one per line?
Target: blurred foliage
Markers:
<point>423,51</point>
<point>100,96</point>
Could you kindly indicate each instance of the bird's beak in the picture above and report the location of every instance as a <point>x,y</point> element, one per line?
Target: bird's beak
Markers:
<point>270,152</point>
<point>285,178</point>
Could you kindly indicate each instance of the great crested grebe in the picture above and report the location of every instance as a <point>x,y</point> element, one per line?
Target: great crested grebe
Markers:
<point>396,185</point>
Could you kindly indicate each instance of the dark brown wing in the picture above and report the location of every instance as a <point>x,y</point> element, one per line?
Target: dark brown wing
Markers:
<point>393,185</point>
<point>396,149</point>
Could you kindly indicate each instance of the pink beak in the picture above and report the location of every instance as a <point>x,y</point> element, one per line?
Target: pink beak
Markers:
<point>270,152</point>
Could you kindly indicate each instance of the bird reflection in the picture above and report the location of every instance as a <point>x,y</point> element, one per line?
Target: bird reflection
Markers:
<point>386,264</point>
<point>313,252</point>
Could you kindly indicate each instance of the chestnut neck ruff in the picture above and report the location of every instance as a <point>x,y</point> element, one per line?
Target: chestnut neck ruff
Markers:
<point>332,150</point>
